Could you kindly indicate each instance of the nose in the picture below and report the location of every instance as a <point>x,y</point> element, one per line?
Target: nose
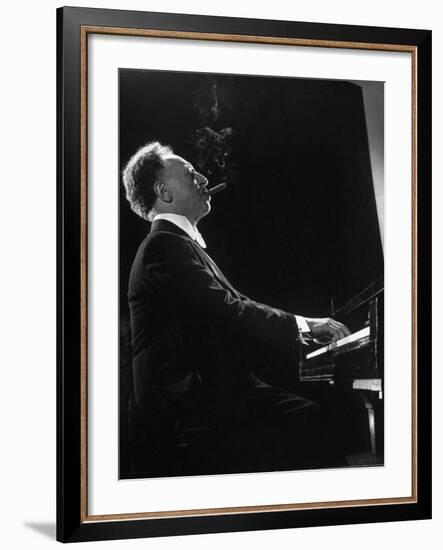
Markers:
<point>202,180</point>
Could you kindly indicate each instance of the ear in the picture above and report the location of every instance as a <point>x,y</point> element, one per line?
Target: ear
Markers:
<point>162,191</point>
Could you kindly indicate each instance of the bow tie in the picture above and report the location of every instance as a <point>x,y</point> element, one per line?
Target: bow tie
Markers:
<point>198,237</point>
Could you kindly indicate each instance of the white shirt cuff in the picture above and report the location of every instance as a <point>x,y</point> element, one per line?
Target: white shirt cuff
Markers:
<point>302,324</point>
<point>304,332</point>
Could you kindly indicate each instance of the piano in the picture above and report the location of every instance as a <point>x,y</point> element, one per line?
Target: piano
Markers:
<point>355,363</point>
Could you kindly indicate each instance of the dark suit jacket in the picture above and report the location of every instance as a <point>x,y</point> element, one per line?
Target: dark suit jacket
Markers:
<point>193,334</point>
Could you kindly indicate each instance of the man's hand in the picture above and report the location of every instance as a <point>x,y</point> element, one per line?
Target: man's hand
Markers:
<point>327,330</point>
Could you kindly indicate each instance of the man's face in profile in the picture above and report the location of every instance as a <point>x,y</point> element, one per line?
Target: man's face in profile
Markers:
<point>188,188</point>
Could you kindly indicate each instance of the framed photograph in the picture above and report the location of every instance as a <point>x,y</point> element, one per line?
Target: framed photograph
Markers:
<point>244,270</point>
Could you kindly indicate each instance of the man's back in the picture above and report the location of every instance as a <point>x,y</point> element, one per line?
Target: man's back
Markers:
<point>187,318</point>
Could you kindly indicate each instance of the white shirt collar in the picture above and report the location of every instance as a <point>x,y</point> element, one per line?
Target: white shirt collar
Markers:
<point>183,223</point>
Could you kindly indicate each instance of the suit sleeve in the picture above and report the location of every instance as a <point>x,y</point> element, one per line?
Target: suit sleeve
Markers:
<point>172,265</point>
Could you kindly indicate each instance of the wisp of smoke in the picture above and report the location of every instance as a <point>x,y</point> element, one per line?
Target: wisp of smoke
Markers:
<point>211,143</point>
<point>212,146</point>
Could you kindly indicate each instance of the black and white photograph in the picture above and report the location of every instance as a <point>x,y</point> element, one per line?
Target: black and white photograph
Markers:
<point>251,273</point>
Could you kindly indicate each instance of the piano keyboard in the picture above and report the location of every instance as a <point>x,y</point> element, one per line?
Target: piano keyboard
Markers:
<point>359,335</point>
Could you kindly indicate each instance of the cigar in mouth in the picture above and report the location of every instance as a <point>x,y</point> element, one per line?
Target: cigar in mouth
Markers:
<point>217,188</point>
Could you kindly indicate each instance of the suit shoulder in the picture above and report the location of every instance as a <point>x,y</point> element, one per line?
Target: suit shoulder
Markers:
<point>167,245</point>
<point>166,238</point>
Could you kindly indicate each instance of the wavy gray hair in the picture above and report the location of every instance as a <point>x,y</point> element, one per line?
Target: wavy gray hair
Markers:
<point>141,173</point>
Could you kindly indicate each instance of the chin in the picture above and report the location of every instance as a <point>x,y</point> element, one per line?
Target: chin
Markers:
<point>206,211</point>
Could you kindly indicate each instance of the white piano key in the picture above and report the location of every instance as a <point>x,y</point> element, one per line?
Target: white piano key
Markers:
<point>363,333</point>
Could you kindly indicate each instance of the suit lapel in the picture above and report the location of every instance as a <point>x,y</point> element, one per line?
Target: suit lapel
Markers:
<point>216,270</point>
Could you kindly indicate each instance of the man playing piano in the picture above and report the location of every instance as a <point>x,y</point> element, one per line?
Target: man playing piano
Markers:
<point>198,406</point>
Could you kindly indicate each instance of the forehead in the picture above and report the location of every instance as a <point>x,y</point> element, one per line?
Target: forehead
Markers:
<point>174,163</point>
